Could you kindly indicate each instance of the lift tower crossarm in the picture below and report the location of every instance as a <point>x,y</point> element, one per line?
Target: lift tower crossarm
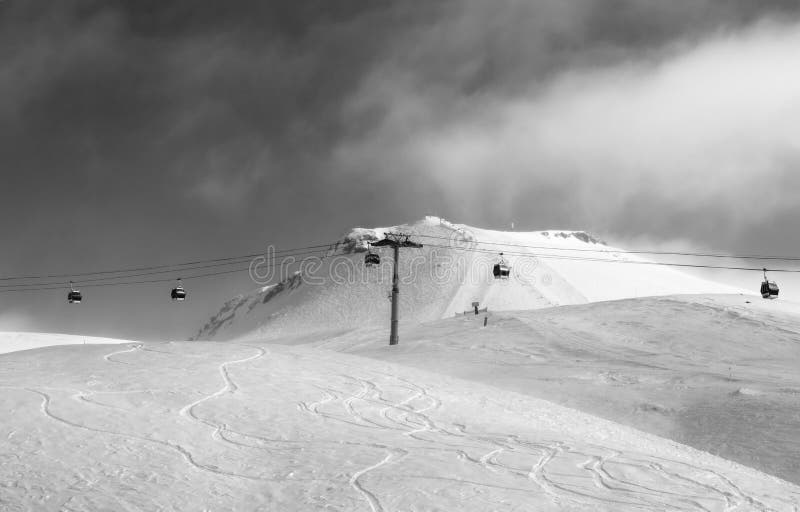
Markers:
<point>396,241</point>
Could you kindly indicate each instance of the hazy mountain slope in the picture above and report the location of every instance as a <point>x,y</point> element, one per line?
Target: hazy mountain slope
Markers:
<point>224,426</point>
<point>443,278</point>
<point>715,372</point>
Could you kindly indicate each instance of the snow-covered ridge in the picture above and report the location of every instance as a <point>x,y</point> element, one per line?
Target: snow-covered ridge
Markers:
<point>358,239</point>
<point>451,271</point>
<point>16,341</point>
<point>583,236</point>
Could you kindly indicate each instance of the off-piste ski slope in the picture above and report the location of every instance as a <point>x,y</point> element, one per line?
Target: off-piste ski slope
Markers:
<point>717,372</point>
<point>227,426</point>
<point>452,270</point>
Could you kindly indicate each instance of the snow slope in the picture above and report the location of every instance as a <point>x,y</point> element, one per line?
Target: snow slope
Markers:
<point>716,372</point>
<point>452,270</point>
<point>16,341</point>
<point>226,426</point>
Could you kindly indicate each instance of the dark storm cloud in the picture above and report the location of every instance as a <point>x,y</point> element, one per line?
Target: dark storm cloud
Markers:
<point>152,86</point>
<point>130,121</point>
<point>225,99</point>
<point>621,117</point>
<point>140,130</point>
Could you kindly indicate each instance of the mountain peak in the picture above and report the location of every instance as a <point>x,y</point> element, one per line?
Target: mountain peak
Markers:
<point>452,270</point>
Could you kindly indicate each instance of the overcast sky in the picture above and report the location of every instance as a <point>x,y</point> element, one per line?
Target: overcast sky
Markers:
<point>151,131</point>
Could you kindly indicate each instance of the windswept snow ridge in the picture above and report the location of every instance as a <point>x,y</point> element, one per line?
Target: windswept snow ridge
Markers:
<point>16,341</point>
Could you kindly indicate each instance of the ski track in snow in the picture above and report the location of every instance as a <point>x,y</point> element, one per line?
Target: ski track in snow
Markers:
<point>132,348</point>
<point>219,430</point>
<point>373,500</point>
<point>413,423</point>
<point>45,408</point>
<point>617,479</point>
<point>187,411</point>
<point>228,387</point>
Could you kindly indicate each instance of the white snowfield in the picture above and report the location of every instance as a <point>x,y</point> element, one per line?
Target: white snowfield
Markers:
<point>716,372</point>
<point>16,341</point>
<point>228,427</point>
<point>451,271</point>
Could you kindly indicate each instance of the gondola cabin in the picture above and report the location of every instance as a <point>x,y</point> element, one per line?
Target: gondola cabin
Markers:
<point>372,259</point>
<point>74,296</point>
<point>501,269</point>
<point>178,293</point>
<point>769,289</point>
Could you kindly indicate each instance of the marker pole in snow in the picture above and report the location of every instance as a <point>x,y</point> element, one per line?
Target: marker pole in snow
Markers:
<point>396,241</point>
